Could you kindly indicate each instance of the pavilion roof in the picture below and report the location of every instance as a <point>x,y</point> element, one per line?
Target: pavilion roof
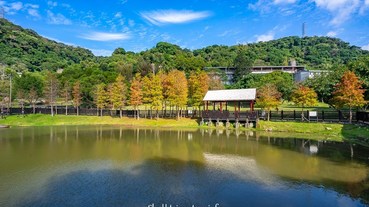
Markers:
<point>231,95</point>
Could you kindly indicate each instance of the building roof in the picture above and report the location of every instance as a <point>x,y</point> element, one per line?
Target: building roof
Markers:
<point>231,95</point>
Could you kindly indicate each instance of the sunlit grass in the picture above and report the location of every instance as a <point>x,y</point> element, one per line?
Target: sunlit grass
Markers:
<point>47,120</point>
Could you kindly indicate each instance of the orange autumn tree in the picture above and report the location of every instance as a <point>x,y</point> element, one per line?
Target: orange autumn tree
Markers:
<point>349,92</point>
<point>268,97</point>
<point>136,93</point>
<point>304,96</point>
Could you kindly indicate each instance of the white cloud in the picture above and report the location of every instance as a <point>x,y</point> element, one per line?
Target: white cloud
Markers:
<point>161,17</point>
<point>332,34</point>
<point>52,3</point>
<point>34,13</point>
<point>265,37</point>
<point>101,52</point>
<point>57,18</point>
<point>284,1</point>
<point>33,6</point>
<point>102,36</point>
<point>365,47</point>
<point>118,15</point>
<point>59,41</point>
<point>2,3</point>
<point>340,9</point>
<point>367,2</point>
<point>16,6</point>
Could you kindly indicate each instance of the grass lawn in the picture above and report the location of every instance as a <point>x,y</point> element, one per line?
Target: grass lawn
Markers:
<point>333,130</point>
<point>47,120</point>
<point>317,131</point>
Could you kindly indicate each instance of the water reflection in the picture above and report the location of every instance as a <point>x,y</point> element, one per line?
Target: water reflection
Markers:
<point>83,166</point>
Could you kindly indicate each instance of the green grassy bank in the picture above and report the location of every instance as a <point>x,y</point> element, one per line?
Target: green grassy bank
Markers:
<point>289,129</point>
<point>47,120</point>
<point>334,131</point>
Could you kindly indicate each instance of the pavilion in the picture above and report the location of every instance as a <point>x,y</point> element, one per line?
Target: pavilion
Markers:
<point>221,100</point>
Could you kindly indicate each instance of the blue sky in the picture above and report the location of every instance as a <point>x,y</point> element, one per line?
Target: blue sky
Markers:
<point>136,25</point>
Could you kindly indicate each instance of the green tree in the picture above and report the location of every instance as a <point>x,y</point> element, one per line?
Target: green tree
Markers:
<point>243,64</point>
<point>32,85</point>
<point>349,92</point>
<point>324,83</point>
<point>268,97</point>
<point>304,96</point>
<point>51,90</point>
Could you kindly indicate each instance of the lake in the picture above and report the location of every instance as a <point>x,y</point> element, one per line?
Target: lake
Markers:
<point>119,166</point>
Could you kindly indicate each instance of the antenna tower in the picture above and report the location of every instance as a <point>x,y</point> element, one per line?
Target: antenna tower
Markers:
<point>303,29</point>
<point>2,13</point>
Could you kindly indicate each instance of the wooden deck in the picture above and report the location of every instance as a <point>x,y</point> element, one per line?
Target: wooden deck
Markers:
<point>229,115</point>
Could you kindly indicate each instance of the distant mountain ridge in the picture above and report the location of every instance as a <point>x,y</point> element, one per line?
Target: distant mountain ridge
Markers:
<point>25,48</point>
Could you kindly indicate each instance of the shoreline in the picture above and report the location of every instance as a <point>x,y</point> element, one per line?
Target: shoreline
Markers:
<point>336,130</point>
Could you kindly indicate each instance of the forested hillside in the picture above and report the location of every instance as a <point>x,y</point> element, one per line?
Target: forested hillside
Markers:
<point>166,70</point>
<point>25,49</point>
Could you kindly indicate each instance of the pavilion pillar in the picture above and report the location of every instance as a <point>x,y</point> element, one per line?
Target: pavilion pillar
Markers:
<point>235,110</point>
<point>207,105</point>
<point>214,106</point>
<point>239,106</point>
<point>221,106</point>
<point>252,105</point>
<point>226,106</point>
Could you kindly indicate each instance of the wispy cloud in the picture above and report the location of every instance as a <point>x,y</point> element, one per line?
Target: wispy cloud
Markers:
<point>161,17</point>
<point>59,41</point>
<point>264,6</point>
<point>34,13</point>
<point>341,10</point>
<point>332,34</point>
<point>265,37</point>
<point>52,3</point>
<point>16,6</point>
<point>57,18</point>
<point>365,47</point>
<point>101,52</point>
<point>103,37</point>
<point>284,1</point>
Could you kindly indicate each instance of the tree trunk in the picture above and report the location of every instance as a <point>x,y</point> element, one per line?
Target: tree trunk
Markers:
<point>33,108</point>
<point>77,110</point>
<point>350,115</point>
<point>101,112</point>
<point>268,115</point>
<point>120,113</point>
<point>66,110</point>
<point>52,110</point>
<point>302,115</point>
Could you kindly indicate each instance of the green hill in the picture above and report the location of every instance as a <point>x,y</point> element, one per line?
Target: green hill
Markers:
<point>28,50</point>
<point>314,52</point>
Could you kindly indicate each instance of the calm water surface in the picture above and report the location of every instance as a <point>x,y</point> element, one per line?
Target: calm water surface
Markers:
<point>114,166</point>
